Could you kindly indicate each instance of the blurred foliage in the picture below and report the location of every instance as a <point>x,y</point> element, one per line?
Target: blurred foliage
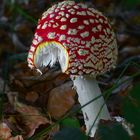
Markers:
<point>70,134</point>
<point>69,122</point>
<point>131,109</point>
<point>114,131</point>
<point>131,3</point>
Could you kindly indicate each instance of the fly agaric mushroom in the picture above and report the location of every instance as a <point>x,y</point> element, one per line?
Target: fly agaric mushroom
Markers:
<point>82,41</point>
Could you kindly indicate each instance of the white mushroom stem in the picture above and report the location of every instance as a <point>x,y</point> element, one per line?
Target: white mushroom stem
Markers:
<point>88,89</point>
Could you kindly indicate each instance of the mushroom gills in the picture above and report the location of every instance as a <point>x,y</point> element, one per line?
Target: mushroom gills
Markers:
<point>48,54</point>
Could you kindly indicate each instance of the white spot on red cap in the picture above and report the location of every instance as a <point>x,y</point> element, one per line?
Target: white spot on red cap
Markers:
<point>99,27</point>
<point>30,55</point>
<point>72,31</point>
<point>51,15</point>
<point>63,27</point>
<point>86,22</point>
<point>68,7</point>
<point>45,13</point>
<point>76,40</point>
<point>71,2</point>
<point>62,37</point>
<point>49,25</point>
<point>81,27</point>
<point>83,52</point>
<point>51,35</point>
<point>88,64</point>
<point>56,10</point>
<point>51,21</point>
<point>76,6</point>
<point>58,17</point>
<point>102,36</point>
<point>94,29</point>
<point>73,56</point>
<point>36,35</point>
<point>84,34</point>
<point>72,11</point>
<point>83,42</point>
<point>82,5</point>
<point>38,27</point>
<point>108,30</point>
<point>67,15</point>
<point>88,44</point>
<point>55,25</point>
<point>32,48</point>
<point>62,8</point>
<point>73,20</point>
<point>93,39</point>
<point>40,38</point>
<point>91,20</point>
<point>63,19</point>
<point>81,13</point>
<point>61,13</point>
<point>29,61</point>
<point>69,39</point>
<point>35,42</point>
<point>101,20</point>
<point>90,13</point>
<point>96,21</point>
<point>44,26</point>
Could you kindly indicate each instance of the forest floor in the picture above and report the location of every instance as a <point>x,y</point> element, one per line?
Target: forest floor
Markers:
<point>34,107</point>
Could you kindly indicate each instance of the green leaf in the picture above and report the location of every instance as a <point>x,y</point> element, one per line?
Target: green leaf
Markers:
<point>70,122</point>
<point>70,134</point>
<point>131,109</point>
<point>114,131</point>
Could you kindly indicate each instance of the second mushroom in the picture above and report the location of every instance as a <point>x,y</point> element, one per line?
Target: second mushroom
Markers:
<point>83,42</point>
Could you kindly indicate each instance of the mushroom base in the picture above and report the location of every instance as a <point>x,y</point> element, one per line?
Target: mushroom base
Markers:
<point>88,89</point>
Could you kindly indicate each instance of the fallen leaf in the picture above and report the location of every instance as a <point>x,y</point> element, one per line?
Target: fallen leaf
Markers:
<point>61,99</point>
<point>5,133</point>
<point>31,117</point>
<point>31,96</point>
<point>60,79</point>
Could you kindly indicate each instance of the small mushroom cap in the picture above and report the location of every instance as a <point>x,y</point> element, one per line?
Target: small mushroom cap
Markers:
<point>82,35</point>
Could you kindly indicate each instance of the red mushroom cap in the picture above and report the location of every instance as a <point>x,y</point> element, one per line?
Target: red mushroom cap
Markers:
<point>83,33</point>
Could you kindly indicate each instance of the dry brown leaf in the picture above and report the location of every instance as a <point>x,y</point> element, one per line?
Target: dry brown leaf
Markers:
<point>31,117</point>
<point>16,138</point>
<point>43,87</point>
<point>5,133</point>
<point>61,99</point>
<point>61,79</point>
<point>31,96</point>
